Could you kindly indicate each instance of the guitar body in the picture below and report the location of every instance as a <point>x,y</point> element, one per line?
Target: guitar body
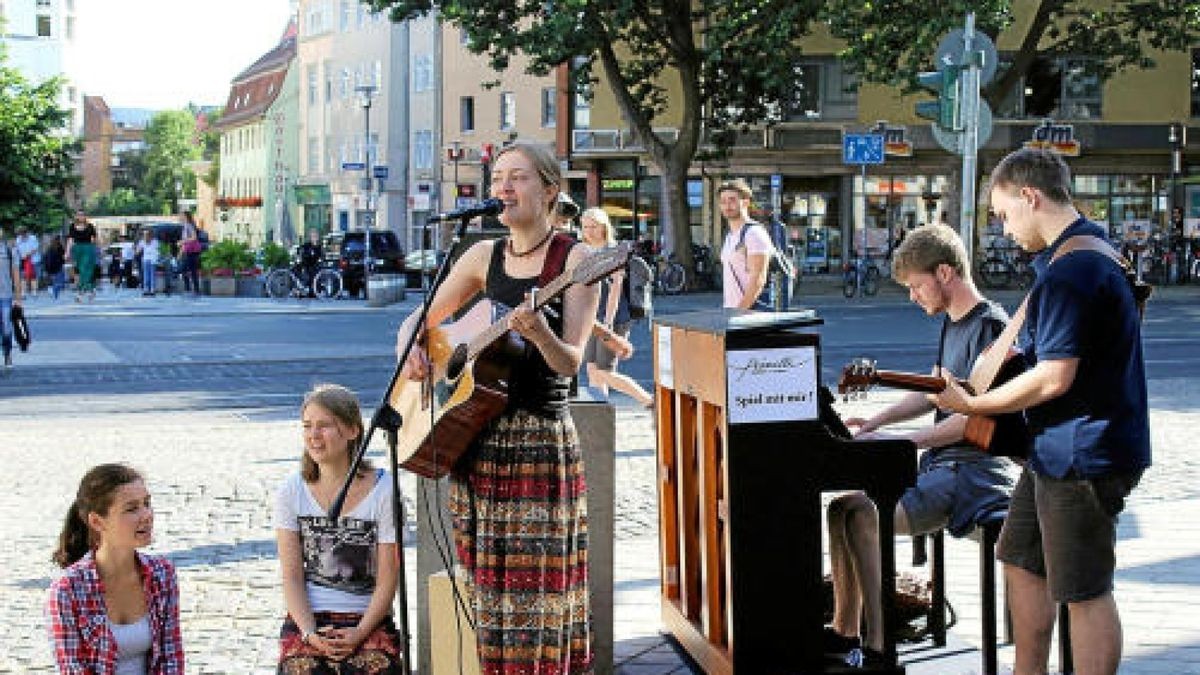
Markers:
<point>444,414</point>
<point>1004,435</point>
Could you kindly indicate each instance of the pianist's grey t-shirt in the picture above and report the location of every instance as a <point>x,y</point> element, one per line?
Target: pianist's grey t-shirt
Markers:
<point>965,340</point>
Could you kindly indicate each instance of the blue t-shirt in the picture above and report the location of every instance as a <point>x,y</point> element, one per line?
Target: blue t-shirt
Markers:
<point>1083,307</point>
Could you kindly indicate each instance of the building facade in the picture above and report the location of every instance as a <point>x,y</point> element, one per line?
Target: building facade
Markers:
<point>247,196</point>
<point>353,118</point>
<point>1119,147</point>
<point>38,37</point>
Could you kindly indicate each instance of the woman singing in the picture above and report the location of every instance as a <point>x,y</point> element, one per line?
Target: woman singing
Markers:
<point>518,501</point>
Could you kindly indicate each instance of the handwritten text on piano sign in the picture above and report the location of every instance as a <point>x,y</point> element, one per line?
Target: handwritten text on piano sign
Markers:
<point>771,385</point>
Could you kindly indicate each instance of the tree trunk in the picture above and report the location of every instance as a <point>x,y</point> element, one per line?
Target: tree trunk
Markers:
<point>675,220</point>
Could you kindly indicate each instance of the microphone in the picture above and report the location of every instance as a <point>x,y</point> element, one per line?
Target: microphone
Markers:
<point>487,207</point>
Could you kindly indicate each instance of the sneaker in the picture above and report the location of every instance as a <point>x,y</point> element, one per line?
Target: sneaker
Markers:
<point>865,657</point>
<point>7,360</point>
<point>833,642</point>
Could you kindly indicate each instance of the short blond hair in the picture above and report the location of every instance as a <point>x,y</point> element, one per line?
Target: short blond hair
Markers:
<point>926,247</point>
<point>738,185</point>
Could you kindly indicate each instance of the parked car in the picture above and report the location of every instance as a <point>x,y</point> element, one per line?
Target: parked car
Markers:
<point>347,250</point>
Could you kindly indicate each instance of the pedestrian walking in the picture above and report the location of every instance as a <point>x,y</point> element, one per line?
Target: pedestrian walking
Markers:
<point>190,249</point>
<point>1084,397</point>
<point>29,251</point>
<point>147,251</point>
<point>113,610</point>
<point>10,295</point>
<point>604,350</point>
<point>54,263</point>
<point>746,253</point>
<point>519,501</point>
<point>957,484</point>
<point>82,251</point>
<point>339,578</point>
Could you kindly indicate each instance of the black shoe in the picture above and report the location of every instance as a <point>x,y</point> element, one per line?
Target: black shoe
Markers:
<point>865,657</point>
<point>833,642</point>
<point>8,359</point>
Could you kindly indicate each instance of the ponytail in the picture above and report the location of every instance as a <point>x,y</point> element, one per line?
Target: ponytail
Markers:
<point>74,541</point>
<point>95,495</point>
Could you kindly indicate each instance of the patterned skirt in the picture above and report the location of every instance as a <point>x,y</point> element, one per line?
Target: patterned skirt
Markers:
<point>379,654</point>
<point>520,530</point>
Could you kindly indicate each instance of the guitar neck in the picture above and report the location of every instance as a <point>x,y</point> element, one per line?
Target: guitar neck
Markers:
<point>500,327</point>
<point>910,381</point>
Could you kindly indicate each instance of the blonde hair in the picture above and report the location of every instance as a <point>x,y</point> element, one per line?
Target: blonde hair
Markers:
<point>343,405</point>
<point>600,216</point>
<point>738,185</point>
<point>547,167</point>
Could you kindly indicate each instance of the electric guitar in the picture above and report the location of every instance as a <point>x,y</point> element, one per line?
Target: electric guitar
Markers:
<point>468,384</point>
<point>1006,435</point>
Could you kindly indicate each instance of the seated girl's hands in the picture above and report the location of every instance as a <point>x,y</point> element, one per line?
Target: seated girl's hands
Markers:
<point>860,426</point>
<point>343,641</point>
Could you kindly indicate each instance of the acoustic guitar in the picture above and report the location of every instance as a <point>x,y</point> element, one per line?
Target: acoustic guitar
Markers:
<point>1005,435</point>
<point>468,384</point>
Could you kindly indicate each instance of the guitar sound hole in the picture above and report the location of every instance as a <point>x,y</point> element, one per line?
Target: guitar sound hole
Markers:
<point>458,360</point>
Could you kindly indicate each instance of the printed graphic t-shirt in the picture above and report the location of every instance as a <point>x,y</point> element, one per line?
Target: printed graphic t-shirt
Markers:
<point>339,558</point>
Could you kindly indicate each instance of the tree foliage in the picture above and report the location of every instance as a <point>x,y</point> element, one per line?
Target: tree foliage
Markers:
<point>170,143</point>
<point>36,157</point>
<point>731,62</point>
<point>124,201</point>
<point>890,41</point>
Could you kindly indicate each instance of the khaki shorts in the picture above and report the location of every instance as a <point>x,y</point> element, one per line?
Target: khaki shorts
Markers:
<point>1065,530</point>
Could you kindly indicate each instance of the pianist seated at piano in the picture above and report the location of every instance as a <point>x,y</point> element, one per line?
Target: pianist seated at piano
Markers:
<point>956,483</point>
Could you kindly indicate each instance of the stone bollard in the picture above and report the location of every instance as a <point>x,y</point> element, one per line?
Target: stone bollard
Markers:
<point>385,289</point>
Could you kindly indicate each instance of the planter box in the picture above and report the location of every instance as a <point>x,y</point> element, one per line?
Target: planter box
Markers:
<point>250,287</point>
<point>225,287</point>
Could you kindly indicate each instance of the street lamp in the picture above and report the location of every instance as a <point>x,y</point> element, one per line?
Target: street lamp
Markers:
<point>366,94</point>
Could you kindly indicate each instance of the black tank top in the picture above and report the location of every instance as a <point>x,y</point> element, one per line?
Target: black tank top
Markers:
<point>534,386</point>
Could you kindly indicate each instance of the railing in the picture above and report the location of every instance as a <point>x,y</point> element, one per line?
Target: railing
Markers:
<point>615,140</point>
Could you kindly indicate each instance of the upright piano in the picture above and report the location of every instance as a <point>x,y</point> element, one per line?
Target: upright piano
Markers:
<point>747,442</point>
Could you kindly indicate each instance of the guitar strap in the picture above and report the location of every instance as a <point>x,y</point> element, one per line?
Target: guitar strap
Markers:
<point>993,359</point>
<point>556,258</point>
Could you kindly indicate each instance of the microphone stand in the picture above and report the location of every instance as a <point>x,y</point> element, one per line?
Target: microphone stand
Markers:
<point>390,421</point>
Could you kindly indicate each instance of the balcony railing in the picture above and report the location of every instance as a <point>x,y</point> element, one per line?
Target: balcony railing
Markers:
<point>615,140</point>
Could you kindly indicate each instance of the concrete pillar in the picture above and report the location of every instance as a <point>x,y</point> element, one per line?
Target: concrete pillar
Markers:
<point>596,424</point>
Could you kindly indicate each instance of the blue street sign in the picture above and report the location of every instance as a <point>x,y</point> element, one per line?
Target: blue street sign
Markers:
<point>862,149</point>
<point>776,181</point>
<point>380,171</point>
<point>353,166</point>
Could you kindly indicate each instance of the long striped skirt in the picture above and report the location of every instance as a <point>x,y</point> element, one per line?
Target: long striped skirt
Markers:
<point>520,530</point>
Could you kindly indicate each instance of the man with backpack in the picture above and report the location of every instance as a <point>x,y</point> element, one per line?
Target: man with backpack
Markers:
<point>748,251</point>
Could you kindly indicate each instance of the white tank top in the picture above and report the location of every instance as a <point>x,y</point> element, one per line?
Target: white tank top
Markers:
<point>133,646</point>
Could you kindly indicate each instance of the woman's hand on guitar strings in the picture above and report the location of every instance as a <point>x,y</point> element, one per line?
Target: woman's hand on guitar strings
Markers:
<point>528,322</point>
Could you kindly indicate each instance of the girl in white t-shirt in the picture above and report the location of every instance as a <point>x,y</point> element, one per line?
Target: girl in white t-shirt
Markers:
<point>339,579</point>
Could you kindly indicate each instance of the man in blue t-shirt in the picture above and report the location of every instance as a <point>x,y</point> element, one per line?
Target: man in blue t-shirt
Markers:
<point>1084,397</point>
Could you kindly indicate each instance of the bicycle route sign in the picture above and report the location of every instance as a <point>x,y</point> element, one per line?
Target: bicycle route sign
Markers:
<point>862,149</point>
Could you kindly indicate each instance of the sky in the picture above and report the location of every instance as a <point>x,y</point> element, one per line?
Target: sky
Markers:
<point>163,54</point>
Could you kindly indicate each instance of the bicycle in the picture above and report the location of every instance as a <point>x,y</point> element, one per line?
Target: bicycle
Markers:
<point>861,274</point>
<point>284,282</point>
<point>669,275</point>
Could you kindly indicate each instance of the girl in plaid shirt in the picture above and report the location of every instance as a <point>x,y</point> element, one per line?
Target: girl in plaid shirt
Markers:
<point>114,611</point>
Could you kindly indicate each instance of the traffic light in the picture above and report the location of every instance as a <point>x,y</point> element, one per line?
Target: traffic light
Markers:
<point>945,111</point>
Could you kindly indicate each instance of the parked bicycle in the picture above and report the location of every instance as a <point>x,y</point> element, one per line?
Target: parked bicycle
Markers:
<point>670,277</point>
<point>861,274</point>
<point>1005,264</point>
<point>293,282</point>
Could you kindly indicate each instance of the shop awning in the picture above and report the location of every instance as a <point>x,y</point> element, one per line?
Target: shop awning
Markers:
<point>615,211</point>
<point>312,194</point>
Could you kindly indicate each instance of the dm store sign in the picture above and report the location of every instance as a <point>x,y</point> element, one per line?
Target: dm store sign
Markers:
<point>771,385</point>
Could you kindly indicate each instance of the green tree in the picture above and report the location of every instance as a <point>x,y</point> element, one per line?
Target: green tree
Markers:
<point>36,167</point>
<point>729,60</point>
<point>890,42</point>
<point>124,201</point>
<point>170,143</point>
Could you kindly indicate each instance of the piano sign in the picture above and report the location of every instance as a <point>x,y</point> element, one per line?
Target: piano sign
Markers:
<point>1057,137</point>
<point>771,385</point>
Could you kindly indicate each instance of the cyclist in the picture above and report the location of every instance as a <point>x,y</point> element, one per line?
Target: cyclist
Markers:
<point>310,256</point>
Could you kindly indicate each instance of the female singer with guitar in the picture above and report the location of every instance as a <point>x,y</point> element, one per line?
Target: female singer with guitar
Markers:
<point>518,499</point>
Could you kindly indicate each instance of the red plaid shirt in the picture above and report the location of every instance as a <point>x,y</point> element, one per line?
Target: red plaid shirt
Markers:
<point>78,622</point>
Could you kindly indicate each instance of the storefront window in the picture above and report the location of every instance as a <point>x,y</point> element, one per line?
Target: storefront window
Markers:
<point>890,204</point>
<point>1117,202</point>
